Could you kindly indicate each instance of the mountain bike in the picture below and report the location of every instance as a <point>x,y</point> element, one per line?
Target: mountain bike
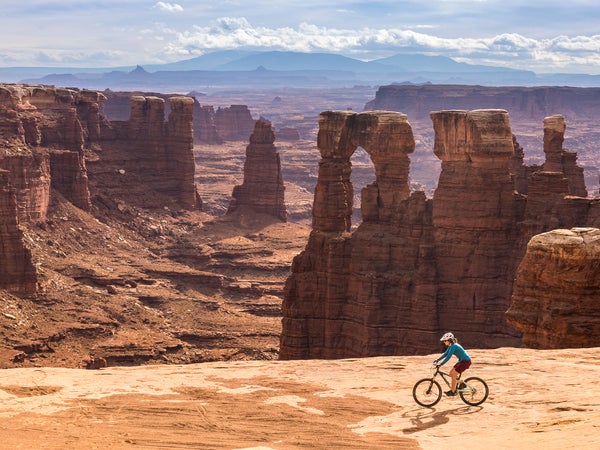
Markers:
<point>428,391</point>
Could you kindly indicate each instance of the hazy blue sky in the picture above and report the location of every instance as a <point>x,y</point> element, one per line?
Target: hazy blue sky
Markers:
<point>544,36</point>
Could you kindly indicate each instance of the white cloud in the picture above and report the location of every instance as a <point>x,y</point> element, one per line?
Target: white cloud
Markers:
<point>169,7</point>
<point>528,35</point>
<point>509,49</point>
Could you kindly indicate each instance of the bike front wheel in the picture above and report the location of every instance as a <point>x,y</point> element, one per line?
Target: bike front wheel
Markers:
<point>427,392</point>
<point>475,392</point>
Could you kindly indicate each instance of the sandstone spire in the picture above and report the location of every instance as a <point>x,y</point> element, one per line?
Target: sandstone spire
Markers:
<point>560,160</point>
<point>162,152</point>
<point>263,188</point>
<point>474,222</point>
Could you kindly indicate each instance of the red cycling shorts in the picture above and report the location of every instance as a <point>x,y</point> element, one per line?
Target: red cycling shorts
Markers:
<point>461,366</point>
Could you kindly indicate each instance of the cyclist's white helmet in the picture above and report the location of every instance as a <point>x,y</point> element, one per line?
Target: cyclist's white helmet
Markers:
<point>447,337</point>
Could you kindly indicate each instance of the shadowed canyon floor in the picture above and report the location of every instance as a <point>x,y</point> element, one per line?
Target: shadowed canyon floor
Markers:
<point>544,399</point>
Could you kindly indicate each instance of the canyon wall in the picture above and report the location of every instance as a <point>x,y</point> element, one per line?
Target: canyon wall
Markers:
<point>417,267</point>
<point>162,152</point>
<point>527,107</point>
<point>42,132</point>
<point>49,136</point>
<point>523,103</point>
<point>262,190</point>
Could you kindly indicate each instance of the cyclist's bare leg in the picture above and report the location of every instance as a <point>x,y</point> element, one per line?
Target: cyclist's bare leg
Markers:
<point>453,375</point>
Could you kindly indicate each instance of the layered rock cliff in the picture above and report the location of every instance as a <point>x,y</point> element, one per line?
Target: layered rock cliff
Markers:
<point>205,130</point>
<point>418,267</point>
<point>523,103</point>
<point>42,133</point>
<point>147,159</point>
<point>49,135</point>
<point>262,190</point>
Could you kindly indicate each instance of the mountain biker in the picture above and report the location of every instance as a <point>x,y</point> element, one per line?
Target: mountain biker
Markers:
<point>453,348</point>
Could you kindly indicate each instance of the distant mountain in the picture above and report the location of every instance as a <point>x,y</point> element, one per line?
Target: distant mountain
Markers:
<point>302,61</point>
<point>287,61</point>
<point>426,63</point>
<point>254,69</point>
<point>209,61</point>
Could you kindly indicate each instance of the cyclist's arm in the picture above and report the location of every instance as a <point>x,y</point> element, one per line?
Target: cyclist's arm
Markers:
<point>445,356</point>
<point>442,356</point>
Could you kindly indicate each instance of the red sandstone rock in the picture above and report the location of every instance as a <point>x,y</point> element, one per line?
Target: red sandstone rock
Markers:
<point>416,268</point>
<point>29,175</point>
<point>234,123</point>
<point>474,215</point>
<point>44,131</point>
<point>349,293</point>
<point>17,272</point>
<point>561,160</point>
<point>147,153</point>
<point>210,127</point>
<point>205,130</point>
<point>69,177</point>
<point>287,134</point>
<point>38,122</point>
<point>263,188</point>
<point>555,299</point>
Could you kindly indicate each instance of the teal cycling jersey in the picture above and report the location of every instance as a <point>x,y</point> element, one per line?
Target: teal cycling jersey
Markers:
<point>454,349</point>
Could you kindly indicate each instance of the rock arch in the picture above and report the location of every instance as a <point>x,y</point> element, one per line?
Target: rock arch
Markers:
<point>388,139</point>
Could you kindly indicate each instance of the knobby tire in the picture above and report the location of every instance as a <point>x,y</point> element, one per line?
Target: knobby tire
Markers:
<point>476,392</point>
<point>427,392</point>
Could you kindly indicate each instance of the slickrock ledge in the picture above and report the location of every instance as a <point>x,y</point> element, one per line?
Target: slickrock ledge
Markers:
<point>538,399</point>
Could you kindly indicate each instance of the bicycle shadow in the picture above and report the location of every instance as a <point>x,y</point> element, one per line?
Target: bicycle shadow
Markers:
<point>423,419</point>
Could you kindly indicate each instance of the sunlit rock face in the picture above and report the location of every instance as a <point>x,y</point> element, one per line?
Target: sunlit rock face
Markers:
<point>417,267</point>
<point>474,221</point>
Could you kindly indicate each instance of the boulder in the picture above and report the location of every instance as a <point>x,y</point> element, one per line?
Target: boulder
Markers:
<point>555,298</point>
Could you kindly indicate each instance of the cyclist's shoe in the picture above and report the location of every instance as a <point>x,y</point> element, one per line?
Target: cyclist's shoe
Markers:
<point>450,393</point>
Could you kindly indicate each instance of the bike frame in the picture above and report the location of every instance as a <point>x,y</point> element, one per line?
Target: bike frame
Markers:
<point>446,377</point>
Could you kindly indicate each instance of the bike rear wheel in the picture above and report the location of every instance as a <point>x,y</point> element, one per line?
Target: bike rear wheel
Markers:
<point>427,392</point>
<point>475,393</point>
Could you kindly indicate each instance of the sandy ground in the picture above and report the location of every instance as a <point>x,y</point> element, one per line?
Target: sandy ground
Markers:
<point>538,399</point>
